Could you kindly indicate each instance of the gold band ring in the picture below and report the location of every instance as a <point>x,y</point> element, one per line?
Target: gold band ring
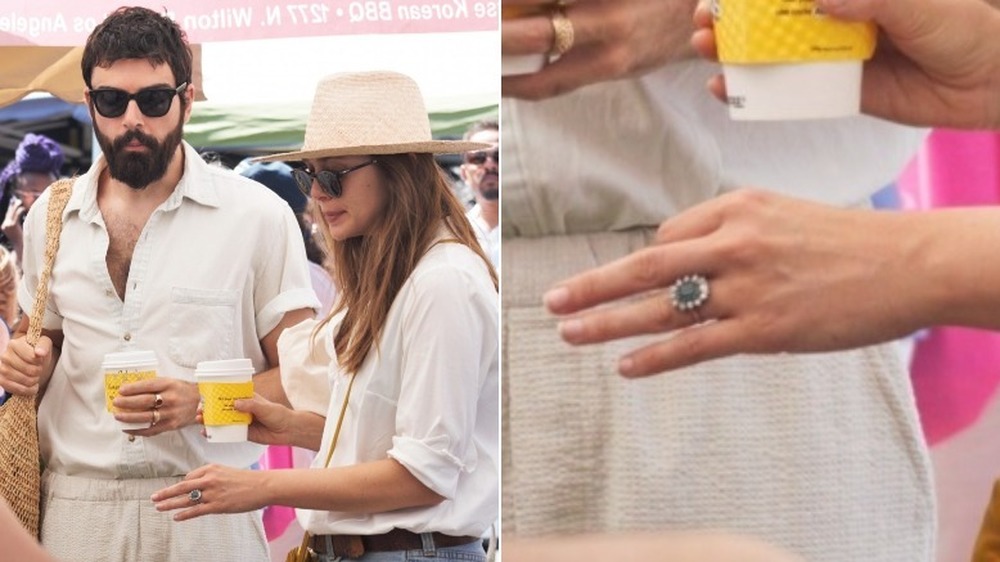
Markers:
<point>156,418</point>
<point>562,31</point>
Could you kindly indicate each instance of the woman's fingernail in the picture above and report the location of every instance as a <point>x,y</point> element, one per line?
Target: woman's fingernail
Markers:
<point>571,330</point>
<point>556,298</point>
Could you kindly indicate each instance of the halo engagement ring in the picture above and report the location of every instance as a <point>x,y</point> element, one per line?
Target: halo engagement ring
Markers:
<point>156,418</point>
<point>688,293</point>
<point>562,31</point>
<point>194,496</point>
<point>157,401</point>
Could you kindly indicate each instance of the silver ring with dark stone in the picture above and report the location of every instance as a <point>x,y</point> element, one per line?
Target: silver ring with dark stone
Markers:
<point>689,293</point>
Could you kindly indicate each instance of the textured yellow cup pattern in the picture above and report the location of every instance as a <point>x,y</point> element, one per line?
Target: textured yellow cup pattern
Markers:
<point>218,400</point>
<point>113,381</point>
<point>767,31</point>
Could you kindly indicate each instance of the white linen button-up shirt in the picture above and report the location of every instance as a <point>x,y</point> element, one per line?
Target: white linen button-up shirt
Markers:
<point>428,397</point>
<point>215,268</point>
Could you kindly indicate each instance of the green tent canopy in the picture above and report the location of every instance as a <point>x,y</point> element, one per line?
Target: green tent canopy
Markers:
<point>278,127</point>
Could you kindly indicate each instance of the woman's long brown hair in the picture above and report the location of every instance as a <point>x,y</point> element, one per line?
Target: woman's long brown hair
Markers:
<point>370,270</point>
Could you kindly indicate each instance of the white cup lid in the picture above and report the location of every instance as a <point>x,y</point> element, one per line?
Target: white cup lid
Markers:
<point>224,367</point>
<point>122,359</point>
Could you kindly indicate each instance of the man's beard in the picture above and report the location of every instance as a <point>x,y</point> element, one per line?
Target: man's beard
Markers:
<point>139,169</point>
<point>491,191</point>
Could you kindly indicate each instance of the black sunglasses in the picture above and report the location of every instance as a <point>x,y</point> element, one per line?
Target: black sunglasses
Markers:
<point>152,102</point>
<point>479,157</point>
<point>329,181</point>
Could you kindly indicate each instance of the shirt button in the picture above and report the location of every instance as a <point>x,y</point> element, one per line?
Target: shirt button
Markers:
<point>128,337</point>
<point>131,438</point>
<point>108,292</point>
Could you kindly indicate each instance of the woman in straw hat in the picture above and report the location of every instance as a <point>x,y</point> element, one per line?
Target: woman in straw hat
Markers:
<point>410,436</point>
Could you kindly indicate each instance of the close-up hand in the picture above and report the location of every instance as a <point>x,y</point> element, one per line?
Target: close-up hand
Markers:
<point>212,489</point>
<point>272,422</point>
<point>611,39</point>
<point>783,275</point>
<point>164,403</point>
<point>277,424</point>
<point>11,225</point>
<point>935,63</point>
<point>22,365</point>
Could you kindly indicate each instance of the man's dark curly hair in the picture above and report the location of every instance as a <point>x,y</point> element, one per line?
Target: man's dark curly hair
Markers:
<point>138,33</point>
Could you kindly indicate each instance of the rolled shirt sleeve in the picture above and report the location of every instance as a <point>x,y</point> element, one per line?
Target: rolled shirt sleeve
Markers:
<point>447,344</point>
<point>305,365</point>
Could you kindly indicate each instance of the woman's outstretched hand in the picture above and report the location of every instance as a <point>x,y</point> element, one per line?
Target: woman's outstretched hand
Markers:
<point>785,275</point>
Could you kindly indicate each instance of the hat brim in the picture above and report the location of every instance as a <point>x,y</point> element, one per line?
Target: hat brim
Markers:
<point>428,147</point>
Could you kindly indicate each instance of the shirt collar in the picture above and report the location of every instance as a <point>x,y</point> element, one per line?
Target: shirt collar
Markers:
<point>196,183</point>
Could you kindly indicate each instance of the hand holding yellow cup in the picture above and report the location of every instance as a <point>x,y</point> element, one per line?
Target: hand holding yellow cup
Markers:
<point>221,383</point>
<point>123,368</point>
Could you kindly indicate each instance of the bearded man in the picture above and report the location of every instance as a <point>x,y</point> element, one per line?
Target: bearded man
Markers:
<point>481,171</point>
<point>159,252</point>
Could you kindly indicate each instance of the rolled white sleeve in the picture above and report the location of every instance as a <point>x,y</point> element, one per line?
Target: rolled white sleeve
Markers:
<point>440,380</point>
<point>305,364</point>
<point>284,282</point>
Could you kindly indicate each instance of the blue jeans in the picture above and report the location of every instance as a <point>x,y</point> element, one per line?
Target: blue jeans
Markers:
<point>472,552</point>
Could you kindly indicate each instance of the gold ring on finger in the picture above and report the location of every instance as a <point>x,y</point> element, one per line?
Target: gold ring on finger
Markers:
<point>562,31</point>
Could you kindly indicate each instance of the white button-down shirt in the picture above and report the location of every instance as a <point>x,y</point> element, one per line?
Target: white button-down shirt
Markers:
<point>428,397</point>
<point>215,268</point>
<point>489,238</point>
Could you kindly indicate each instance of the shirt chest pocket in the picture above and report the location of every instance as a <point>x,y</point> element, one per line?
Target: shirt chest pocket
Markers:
<point>202,325</point>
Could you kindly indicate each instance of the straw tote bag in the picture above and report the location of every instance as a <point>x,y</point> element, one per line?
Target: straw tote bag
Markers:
<point>20,469</point>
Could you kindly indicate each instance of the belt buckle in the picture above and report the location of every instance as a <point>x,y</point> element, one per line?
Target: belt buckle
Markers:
<point>348,546</point>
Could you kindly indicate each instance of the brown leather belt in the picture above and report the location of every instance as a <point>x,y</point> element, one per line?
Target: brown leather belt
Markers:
<point>353,546</point>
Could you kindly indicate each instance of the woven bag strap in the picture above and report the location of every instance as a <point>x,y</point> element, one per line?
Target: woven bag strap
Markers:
<point>59,193</point>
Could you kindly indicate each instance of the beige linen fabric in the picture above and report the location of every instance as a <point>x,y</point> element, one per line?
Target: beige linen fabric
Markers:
<point>820,454</point>
<point>69,502</point>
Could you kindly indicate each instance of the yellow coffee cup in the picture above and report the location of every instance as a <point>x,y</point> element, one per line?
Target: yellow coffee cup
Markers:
<point>221,383</point>
<point>123,368</point>
<point>786,59</point>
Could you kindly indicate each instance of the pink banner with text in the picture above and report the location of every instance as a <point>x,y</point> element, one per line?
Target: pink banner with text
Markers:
<point>61,23</point>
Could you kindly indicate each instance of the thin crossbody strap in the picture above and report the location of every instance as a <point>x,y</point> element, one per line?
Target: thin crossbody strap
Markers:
<point>340,422</point>
<point>306,536</point>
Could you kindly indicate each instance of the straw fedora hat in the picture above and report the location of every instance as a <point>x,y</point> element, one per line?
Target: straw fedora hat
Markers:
<point>369,113</point>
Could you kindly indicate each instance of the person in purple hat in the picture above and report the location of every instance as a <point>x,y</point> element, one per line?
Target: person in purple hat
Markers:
<point>36,164</point>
